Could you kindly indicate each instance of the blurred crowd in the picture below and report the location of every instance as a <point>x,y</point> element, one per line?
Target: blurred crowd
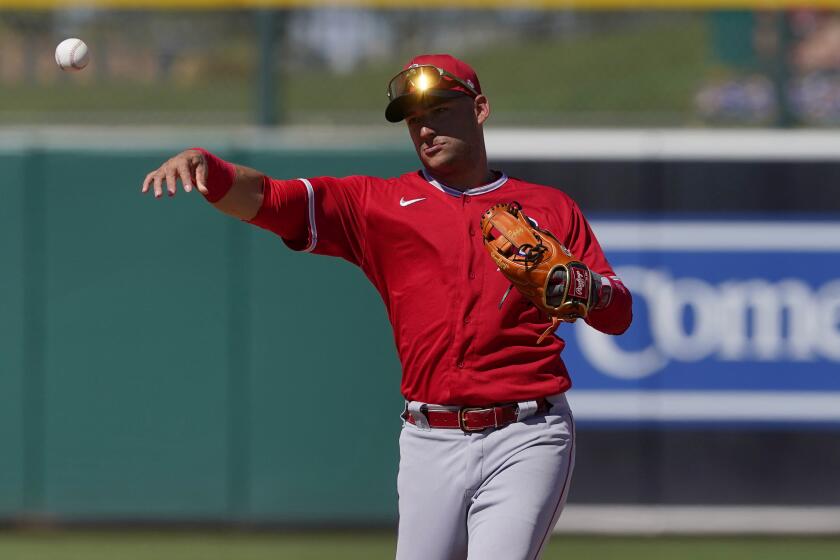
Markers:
<point>772,68</point>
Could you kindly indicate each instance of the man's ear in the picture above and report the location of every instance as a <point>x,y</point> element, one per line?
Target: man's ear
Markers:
<point>482,108</point>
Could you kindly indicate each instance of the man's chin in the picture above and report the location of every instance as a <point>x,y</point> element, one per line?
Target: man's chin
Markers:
<point>439,164</point>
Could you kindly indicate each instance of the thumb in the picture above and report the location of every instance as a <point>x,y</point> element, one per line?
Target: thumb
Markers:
<point>201,176</point>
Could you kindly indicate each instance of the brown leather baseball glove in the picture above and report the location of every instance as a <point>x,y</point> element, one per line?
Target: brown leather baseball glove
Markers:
<point>538,265</point>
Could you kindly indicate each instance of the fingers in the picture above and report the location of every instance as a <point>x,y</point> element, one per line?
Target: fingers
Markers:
<point>171,181</point>
<point>147,182</point>
<point>157,182</point>
<point>184,174</point>
<point>153,182</point>
<point>188,167</point>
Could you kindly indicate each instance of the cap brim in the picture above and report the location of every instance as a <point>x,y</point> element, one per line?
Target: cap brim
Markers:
<point>397,109</point>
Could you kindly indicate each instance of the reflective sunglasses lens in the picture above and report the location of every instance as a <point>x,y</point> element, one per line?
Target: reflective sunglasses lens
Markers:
<point>414,80</point>
<point>421,79</point>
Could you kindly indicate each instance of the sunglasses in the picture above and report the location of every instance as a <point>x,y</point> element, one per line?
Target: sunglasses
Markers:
<point>424,77</point>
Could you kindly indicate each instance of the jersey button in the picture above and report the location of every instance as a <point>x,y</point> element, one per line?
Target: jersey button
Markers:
<point>460,365</point>
<point>466,320</point>
<point>472,275</point>
<point>472,232</point>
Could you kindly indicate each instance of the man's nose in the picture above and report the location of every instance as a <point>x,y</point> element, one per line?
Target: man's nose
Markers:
<point>426,131</point>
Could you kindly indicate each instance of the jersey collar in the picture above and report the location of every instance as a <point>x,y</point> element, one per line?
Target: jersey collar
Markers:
<point>472,192</point>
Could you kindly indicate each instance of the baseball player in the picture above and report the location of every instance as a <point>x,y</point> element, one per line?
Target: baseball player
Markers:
<point>487,445</point>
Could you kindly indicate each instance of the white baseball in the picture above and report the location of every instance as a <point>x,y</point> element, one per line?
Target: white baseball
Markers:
<point>71,54</point>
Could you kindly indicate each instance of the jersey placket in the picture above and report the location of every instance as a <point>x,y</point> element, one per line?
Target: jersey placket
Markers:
<point>469,279</point>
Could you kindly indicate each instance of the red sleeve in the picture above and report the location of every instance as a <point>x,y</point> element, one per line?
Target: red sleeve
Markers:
<point>322,215</point>
<point>615,318</point>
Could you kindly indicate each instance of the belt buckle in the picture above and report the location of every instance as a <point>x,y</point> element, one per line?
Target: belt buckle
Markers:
<point>462,422</point>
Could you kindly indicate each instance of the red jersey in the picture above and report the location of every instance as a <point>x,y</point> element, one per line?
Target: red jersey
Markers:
<point>420,244</point>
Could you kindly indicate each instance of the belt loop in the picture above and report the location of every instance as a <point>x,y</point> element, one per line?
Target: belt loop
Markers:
<point>525,410</point>
<point>417,412</point>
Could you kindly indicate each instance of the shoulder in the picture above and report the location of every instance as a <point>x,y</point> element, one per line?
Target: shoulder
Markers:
<point>366,186</point>
<point>410,178</point>
<point>373,192</point>
<point>407,183</point>
<point>372,182</point>
<point>542,195</point>
<point>349,183</point>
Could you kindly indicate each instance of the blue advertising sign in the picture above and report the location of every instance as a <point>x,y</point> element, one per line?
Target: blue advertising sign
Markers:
<point>733,321</point>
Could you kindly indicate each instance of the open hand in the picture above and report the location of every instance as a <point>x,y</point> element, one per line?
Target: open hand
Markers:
<point>189,167</point>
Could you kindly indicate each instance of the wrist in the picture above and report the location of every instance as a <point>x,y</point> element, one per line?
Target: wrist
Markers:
<point>602,288</point>
<point>219,176</point>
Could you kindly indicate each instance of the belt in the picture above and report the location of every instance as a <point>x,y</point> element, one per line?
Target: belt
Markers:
<point>475,419</point>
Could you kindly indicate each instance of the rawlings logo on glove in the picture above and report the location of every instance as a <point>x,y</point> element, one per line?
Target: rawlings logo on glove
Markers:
<point>581,284</point>
<point>539,265</point>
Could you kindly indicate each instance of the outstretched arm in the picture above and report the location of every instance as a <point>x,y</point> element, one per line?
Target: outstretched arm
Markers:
<point>233,189</point>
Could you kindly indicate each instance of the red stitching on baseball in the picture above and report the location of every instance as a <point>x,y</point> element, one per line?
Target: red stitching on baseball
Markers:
<point>72,52</point>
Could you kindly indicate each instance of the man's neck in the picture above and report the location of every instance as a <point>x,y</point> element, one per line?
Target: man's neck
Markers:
<point>465,181</point>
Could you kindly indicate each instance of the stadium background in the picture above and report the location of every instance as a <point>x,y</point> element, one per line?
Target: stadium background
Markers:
<point>162,367</point>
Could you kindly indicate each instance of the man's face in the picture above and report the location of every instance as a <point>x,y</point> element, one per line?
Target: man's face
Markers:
<point>447,132</point>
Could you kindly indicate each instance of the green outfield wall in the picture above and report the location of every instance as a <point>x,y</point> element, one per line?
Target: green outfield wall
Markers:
<point>162,362</point>
<point>159,360</point>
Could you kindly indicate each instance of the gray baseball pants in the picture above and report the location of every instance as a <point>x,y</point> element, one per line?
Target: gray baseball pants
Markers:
<point>484,495</point>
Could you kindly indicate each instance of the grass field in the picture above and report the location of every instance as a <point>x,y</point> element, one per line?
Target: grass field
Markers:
<point>143,545</point>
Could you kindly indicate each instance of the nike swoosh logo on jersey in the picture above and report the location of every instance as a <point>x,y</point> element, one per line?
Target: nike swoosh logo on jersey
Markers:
<point>404,202</point>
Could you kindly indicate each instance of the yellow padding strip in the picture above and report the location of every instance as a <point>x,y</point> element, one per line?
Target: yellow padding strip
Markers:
<point>422,4</point>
